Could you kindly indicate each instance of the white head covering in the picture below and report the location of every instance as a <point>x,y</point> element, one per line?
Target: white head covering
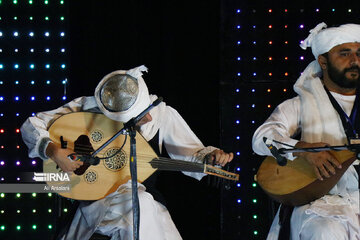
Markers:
<point>322,39</point>
<point>142,100</point>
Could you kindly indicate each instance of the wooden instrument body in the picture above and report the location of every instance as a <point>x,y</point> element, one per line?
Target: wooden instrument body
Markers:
<point>295,183</point>
<point>100,180</point>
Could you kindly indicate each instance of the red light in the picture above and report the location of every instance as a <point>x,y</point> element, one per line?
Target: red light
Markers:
<point>286,58</point>
<point>286,26</point>
<point>284,90</point>
<point>269,90</point>
<point>270,58</point>
<point>2,131</point>
<point>286,42</point>
<point>270,74</point>
<point>285,10</point>
<point>270,26</point>
<point>17,146</point>
<point>269,106</point>
<point>286,74</point>
<point>270,10</point>
<point>270,42</point>
<point>17,130</point>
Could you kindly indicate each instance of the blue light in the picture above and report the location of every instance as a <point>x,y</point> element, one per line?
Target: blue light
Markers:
<point>64,97</point>
<point>238,153</point>
<point>238,42</point>
<point>32,98</point>
<point>238,26</point>
<point>237,137</point>
<point>32,66</point>
<point>239,201</point>
<point>47,34</point>
<point>254,42</point>
<point>239,58</point>
<point>1,66</point>
<point>16,50</point>
<point>16,98</point>
<point>33,114</point>
<point>16,66</point>
<point>1,82</point>
<point>47,50</point>
<point>31,50</point>
<point>237,121</point>
<point>63,50</point>
<point>48,98</point>
<point>31,34</point>
<point>16,82</point>
<point>238,185</point>
<point>253,90</point>
<point>237,106</point>
<point>62,34</point>
<point>253,106</point>
<point>239,74</point>
<point>1,98</point>
<point>237,90</point>
<point>63,66</point>
<point>254,74</point>
<point>1,34</point>
<point>16,34</point>
<point>17,114</point>
<point>238,11</point>
<point>48,82</point>
<point>47,66</point>
<point>32,82</point>
<point>238,169</point>
<point>252,121</point>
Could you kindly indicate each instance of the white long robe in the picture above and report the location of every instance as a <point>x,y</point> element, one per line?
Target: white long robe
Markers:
<point>113,214</point>
<point>336,215</point>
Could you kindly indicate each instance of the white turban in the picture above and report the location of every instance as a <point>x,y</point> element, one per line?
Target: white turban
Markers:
<point>322,39</point>
<point>142,100</point>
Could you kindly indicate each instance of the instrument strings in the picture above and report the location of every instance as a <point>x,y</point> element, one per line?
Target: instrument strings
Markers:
<point>144,160</point>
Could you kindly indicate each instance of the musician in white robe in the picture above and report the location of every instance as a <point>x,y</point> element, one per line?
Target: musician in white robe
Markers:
<point>320,123</point>
<point>122,95</point>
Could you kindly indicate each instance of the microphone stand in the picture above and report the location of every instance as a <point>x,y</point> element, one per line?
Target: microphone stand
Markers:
<point>129,128</point>
<point>352,147</point>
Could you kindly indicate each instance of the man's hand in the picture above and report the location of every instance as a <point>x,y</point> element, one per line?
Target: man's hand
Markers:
<point>59,155</point>
<point>220,157</point>
<point>323,163</point>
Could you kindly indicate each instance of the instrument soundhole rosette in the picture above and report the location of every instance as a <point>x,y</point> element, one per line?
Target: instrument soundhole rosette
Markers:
<point>116,162</point>
<point>91,176</point>
<point>97,136</point>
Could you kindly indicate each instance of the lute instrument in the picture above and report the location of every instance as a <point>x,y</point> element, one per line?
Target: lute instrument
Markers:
<point>85,132</point>
<point>296,183</point>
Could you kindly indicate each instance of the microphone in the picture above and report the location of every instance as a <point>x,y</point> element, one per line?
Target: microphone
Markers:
<point>132,122</point>
<point>274,151</point>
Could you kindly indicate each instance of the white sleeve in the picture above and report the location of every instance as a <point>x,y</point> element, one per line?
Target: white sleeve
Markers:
<point>34,129</point>
<point>181,142</point>
<point>281,126</point>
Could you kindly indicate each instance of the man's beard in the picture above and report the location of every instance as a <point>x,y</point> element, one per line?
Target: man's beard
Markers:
<point>340,79</point>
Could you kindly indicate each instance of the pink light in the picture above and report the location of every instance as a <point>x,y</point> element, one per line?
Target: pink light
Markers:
<point>2,163</point>
<point>18,163</point>
<point>33,162</point>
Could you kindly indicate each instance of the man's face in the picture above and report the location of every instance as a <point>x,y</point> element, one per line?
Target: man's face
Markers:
<point>343,65</point>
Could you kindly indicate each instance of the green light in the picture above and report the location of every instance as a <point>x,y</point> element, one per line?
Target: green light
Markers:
<point>65,210</point>
<point>47,18</point>
<point>46,2</point>
<point>255,232</point>
<point>15,18</point>
<point>33,194</point>
<point>61,2</point>
<point>2,211</point>
<point>18,195</point>
<point>62,18</point>
<point>2,228</point>
<point>34,227</point>
<point>18,227</point>
<point>2,195</point>
<point>15,1</point>
<point>50,226</point>
<point>254,201</point>
<point>30,2</point>
<point>49,210</point>
<point>18,211</point>
<point>255,216</point>
<point>31,18</point>
<point>34,210</point>
<point>50,194</point>
<point>254,184</point>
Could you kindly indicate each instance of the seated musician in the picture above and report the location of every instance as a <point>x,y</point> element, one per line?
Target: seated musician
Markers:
<point>325,112</point>
<point>122,95</point>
